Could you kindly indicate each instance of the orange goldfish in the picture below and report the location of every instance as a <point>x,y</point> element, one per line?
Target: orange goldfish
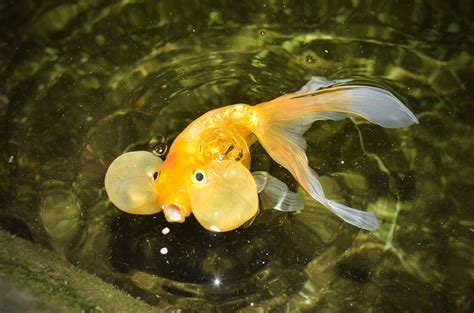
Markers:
<point>206,172</point>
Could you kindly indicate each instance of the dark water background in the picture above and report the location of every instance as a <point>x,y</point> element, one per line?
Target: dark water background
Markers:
<point>83,81</point>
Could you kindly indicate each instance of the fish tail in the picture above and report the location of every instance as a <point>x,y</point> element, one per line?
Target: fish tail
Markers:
<point>283,121</point>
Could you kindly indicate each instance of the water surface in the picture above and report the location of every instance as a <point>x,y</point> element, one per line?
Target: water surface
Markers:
<point>83,81</point>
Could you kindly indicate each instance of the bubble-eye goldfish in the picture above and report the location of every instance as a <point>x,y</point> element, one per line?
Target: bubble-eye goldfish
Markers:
<point>206,171</point>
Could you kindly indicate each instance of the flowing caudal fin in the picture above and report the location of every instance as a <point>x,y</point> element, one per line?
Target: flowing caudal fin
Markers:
<point>274,194</point>
<point>283,121</point>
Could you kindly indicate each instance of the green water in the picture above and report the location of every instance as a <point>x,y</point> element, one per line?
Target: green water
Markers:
<point>83,81</point>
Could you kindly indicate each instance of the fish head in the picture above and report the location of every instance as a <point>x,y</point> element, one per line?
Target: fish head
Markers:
<point>221,194</point>
<point>171,187</point>
<point>130,182</point>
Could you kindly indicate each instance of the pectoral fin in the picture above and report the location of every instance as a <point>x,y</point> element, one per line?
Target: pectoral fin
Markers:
<point>274,194</point>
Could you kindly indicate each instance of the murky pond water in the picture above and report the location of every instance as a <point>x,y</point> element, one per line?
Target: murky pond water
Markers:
<point>84,81</point>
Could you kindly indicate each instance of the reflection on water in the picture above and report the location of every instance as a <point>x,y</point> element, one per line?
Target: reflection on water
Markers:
<point>83,82</point>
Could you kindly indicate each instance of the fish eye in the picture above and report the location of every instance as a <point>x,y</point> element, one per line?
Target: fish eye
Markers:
<point>198,176</point>
<point>155,175</point>
<point>160,149</point>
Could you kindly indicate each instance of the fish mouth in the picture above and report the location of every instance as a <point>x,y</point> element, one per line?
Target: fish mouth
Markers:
<point>173,213</point>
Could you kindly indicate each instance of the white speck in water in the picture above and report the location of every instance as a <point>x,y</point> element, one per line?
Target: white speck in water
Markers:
<point>217,281</point>
<point>342,161</point>
<point>10,160</point>
<point>165,231</point>
<point>326,50</point>
<point>164,250</point>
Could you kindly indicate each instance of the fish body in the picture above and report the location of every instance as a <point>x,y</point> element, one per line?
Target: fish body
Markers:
<point>213,146</point>
<point>225,132</point>
<point>207,171</point>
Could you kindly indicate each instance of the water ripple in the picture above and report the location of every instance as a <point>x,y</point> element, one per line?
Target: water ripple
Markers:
<point>84,82</point>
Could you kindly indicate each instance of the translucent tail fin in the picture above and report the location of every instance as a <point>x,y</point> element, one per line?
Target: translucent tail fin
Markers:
<point>283,121</point>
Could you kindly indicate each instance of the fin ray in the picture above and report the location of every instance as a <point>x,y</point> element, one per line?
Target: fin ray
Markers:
<point>376,105</point>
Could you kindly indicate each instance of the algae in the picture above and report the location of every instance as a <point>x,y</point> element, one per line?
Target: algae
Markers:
<point>33,279</point>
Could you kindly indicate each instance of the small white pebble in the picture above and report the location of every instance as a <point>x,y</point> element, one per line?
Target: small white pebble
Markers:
<point>165,231</point>
<point>164,250</point>
<point>342,162</point>
<point>10,160</point>
<point>326,51</point>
